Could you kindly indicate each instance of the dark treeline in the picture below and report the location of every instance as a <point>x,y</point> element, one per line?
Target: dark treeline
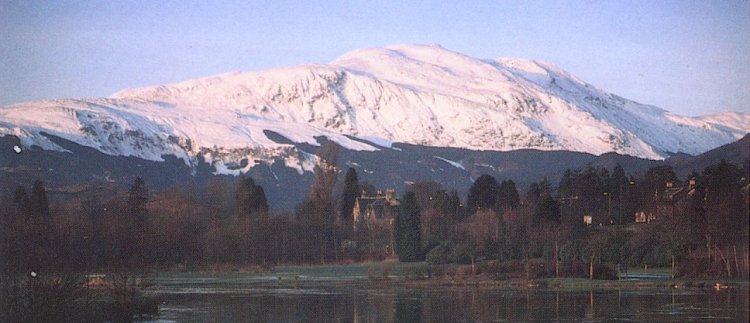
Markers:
<point>699,224</point>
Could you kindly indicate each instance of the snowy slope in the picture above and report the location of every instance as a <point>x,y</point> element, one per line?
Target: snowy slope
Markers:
<point>423,95</point>
<point>148,130</point>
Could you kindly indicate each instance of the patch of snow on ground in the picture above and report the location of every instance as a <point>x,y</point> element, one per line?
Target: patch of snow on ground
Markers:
<point>452,163</point>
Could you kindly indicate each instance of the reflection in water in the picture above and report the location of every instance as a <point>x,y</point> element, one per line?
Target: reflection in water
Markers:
<point>367,303</point>
<point>408,307</point>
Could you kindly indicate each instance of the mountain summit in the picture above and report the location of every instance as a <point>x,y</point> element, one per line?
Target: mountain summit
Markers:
<point>416,94</point>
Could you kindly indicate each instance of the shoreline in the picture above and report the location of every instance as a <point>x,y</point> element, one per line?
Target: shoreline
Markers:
<point>291,277</point>
<point>567,283</point>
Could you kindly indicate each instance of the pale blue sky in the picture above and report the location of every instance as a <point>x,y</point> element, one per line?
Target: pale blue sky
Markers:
<point>690,57</point>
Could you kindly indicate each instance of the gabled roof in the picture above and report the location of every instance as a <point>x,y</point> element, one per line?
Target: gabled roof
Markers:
<point>363,202</point>
<point>378,204</point>
<point>670,193</point>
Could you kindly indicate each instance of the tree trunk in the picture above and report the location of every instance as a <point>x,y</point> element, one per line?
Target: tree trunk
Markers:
<point>322,250</point>
<point>724,259</point>
<point>747,262</point>
<point>673,266</point>
<point>497,230</point>
<point>557,259</point>
<point>336,249</point>
<point>708,247</point>
<point>370,241</point>
<point>736,263</point>
<point>526,260</point>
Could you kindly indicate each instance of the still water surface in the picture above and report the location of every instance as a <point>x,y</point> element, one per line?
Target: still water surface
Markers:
<point>238,298</point>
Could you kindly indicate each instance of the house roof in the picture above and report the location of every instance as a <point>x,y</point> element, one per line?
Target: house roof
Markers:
<point>378,204</point>
<point>363,202</point>
<point>367,200</point>
<point>672,192</point>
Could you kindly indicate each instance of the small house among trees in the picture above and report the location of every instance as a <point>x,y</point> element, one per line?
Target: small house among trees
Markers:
<point>378,208</point>
<point>667,200</point>
<point>672,193</point>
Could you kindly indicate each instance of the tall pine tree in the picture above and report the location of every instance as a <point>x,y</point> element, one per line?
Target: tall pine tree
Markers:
<point>483,194</point>
<point>407,230</point>
<point>547,211</point>
<point>349,196</point>
<point>39,204</point>
<point>137,199</point>
<point>508,195</point>
<point>318,211</point>
<point>455,208</point>
<point>251,200</point>
<point>618,185</point>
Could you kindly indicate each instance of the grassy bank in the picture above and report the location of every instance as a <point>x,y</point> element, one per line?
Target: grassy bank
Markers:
<point>423,274</point>
<point>70,298</point>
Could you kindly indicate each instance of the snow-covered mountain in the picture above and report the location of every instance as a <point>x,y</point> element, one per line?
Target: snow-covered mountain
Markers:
<point>424,95</point>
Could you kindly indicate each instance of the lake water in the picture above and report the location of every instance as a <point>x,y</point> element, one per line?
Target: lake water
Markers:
<point>245,298</point>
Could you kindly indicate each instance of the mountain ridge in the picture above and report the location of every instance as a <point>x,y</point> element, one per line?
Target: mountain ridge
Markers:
<point>414,94</point>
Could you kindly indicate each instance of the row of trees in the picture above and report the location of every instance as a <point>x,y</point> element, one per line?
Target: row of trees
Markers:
<point>231,224</point>
<point>700,227</point>
<point>137,229</point>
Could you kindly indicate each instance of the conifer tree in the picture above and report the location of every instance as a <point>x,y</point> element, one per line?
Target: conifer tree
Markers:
<point>455,207</point>
<point>319,208</point>
<point>407,230</point>
<point>547,211</point>
<point>137,199</point>
<point>482,194</point>
<point>39,204</point>
<point>251,200</point>
<point>619,181</point>
<point>618,185</point>
<point>92,204</point>
<point>508,195</point>
<point>349,195</point>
